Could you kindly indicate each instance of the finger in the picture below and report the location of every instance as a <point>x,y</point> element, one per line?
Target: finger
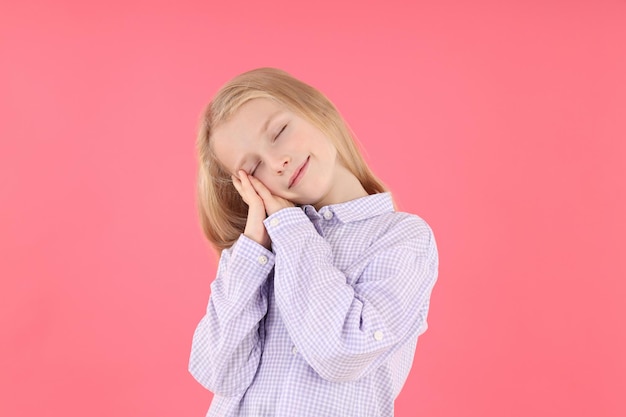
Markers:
<point>261,189</point>
<point>236,183</point>
<point>272,202</point>
<point>246,184</point>
<point>244,192</point>
<point>247,191</point>
<point>242,181</point>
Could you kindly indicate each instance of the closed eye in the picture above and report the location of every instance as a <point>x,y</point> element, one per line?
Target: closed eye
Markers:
<point>281,131</point>
<point>254,169</point>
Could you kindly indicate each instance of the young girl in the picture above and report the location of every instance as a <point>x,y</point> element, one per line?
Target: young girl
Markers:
<point>322,289</point>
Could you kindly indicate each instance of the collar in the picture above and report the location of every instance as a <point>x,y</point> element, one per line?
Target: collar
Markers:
<point>354,210</point>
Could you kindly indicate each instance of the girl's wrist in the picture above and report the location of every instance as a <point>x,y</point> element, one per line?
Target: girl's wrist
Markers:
<point>258,234</point>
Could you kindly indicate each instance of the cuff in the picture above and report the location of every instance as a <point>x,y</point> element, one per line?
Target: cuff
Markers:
<point>254,252</point>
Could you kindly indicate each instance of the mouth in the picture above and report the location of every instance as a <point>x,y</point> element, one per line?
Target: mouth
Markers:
<point>295,178</point>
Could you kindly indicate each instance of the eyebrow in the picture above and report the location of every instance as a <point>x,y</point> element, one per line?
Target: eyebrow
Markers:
<point>263,130</point>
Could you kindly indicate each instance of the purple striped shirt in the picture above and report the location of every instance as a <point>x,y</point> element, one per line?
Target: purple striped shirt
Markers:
<point>324,324</point>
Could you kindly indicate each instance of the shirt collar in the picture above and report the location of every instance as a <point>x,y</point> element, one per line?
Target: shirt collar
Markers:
<point>354,210</point>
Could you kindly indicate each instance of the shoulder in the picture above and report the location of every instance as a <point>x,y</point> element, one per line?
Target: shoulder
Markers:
<point>401,228</point>
<point>404,223</point>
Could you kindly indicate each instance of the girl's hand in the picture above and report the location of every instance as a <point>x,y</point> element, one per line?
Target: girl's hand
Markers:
<point>255,229</point>
<point>271,202</point>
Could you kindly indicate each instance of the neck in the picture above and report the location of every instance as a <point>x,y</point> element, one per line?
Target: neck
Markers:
<point>347,187</point>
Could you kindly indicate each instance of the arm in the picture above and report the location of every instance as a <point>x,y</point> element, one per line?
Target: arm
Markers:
<point>228,341</point>
<point>345,331</point>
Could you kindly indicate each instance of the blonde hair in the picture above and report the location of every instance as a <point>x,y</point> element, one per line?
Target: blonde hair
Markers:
<point>222,211</point>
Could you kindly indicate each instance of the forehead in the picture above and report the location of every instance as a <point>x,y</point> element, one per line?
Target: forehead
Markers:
<point>251,115</point>
<point>240,133</point>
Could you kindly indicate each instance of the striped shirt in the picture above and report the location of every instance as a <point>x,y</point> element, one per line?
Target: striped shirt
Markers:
<point>324,324</point>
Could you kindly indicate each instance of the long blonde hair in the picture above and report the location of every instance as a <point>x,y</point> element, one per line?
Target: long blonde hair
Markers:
<point>222,211</point>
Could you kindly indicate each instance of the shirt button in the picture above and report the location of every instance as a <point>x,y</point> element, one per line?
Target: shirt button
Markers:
<point>328,215</point>
<point>274,222</point>
<point>294,350</point>
<point>262,259</point>
<point>378,335</point>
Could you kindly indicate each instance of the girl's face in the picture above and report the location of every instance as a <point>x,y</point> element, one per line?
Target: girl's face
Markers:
<point>294,159</point>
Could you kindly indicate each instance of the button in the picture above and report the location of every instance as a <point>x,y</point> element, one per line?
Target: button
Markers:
<point>328,215</point>
<point>294,350</point>
<point>378,335</point>
<point>274,222</point>
<point>262,259</point>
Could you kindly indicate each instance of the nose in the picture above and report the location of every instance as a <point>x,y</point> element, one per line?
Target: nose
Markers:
<point>281,163</point>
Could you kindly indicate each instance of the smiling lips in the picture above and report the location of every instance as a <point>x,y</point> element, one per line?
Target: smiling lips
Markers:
<point>295,178</point>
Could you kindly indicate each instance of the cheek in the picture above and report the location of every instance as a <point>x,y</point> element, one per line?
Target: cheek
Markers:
<point>270,183</point>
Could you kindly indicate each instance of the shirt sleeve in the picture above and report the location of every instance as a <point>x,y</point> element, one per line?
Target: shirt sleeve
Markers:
<point>345,331</point>
<point>228,342</point>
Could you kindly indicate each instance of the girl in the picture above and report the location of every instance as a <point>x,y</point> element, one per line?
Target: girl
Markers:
<point>322,289</point>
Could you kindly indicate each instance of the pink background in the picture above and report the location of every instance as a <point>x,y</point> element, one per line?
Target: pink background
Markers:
<point>503,124</point>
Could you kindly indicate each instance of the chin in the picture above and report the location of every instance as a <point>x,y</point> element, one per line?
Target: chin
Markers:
<point>312,194</point>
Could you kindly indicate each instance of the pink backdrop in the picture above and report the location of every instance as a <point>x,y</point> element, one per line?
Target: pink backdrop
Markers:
<point>503,124</point>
